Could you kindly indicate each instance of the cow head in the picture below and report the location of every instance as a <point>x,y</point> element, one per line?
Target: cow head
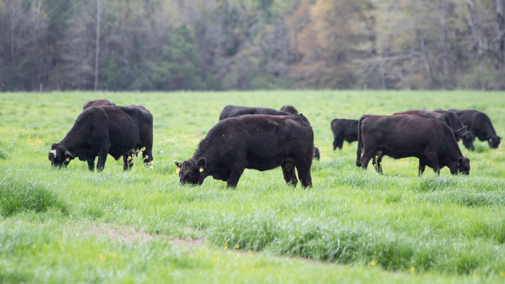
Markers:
<point>464,165</point>
<point>494,142</point>
<point>191,171</point>
<point>468,139</point>
<point>59,155</point>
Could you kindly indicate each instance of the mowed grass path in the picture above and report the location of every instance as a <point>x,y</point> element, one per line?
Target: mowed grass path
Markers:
<point>69,225</point>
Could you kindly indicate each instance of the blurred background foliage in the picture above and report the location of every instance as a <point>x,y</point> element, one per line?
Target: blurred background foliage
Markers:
<point>251,44</point>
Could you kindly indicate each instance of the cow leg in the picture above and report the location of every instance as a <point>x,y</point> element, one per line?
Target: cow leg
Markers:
<point>102,156</point>
<point>91,163</point>
<point>365,159</point>
<point>127,162</point>
<point>377,162</point>
<point>422,166</point>
<point>338,143</point>
<point>288,170</point>
<point>147,152</point>
<point>304,174</point>
<point>235,176</point>
<point>432,161</point>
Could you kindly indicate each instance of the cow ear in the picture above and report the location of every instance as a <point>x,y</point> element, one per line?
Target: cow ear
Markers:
<point>460,161</point>
<point>178,164</point>
<point>68,156</point>
<point>201,164</point>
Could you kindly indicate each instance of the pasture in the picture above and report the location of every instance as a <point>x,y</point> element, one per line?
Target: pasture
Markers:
<point>352,226</point>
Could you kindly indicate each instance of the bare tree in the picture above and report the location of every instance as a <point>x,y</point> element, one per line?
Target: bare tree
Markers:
<point>97,42</point>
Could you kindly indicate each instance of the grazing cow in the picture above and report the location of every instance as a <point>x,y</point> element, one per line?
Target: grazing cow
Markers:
<point>234,111</point>
<point>401,136</point>
<point>260,142</point>
<point>94,103</point>
<point>480,125</point>
<point>452,120</point>
<point>98,131</point>
<point>289,109</point>
<point>344,129</point>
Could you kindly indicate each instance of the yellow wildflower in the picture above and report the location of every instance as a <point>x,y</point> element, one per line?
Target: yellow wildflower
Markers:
<point>237,246</point>
<point>372,262</point>
<point>412,269</point>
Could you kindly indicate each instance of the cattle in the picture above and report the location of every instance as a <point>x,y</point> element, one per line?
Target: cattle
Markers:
<point>98,131</point>
<point>289,109</point>
<point>234,111</point>
<point>260,142</point>
<point>94,103</point>
<point>401,136</point>
<point>480,125</point>
<point>344,129</point>
<point>452,120</point>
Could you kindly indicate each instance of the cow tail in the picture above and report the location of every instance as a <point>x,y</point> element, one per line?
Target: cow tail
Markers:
<point>360,141</point>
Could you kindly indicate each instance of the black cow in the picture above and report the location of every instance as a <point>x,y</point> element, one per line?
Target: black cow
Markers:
<point>344,129</point>
<point>452,120</point>
<point>401,136</point>
<point>260,142</point>
<point>289,109</point>
<point>98,131</point>
<point>234,111</point>
<point>480,125</point>
<point>94,103</point>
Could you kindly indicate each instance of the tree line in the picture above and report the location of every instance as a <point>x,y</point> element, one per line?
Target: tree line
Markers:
<point>251,44</point>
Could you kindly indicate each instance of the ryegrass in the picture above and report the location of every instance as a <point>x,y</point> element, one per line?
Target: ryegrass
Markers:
<point>437,229</point>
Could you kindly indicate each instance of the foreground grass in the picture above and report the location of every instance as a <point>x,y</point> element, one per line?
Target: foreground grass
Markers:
<point>444,229</point>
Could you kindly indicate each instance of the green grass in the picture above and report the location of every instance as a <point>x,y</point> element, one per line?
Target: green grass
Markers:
<point>434,229</point>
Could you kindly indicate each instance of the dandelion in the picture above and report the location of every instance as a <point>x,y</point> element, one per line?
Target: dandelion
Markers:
<point>102,257</point>
<point>372,262</point>
<point>238,254</point>
<point>216,259</point>
<point>250,252</point>
<point>225,246</point>
<point>466,219</point>
<point>501,273</point>
<point>237,246</point>
<point>474,274</point>
<point>412,269</point>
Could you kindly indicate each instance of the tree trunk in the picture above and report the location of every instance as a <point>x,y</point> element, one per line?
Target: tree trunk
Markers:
<point>97,42</point>
<point>500,34</point>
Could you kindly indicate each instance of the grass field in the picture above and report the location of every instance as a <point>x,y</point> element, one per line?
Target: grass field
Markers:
<point>72,225</point>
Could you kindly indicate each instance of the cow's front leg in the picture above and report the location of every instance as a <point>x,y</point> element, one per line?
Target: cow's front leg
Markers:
<point>235,175</point>
<point>432,161</point>
<point>91,163</point>
<point>127,162</point>
<point>422,166</point>
<point>102,156</point>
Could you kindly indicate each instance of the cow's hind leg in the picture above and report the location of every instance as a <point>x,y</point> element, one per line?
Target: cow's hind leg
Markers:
<point>365,159</point>
<point>303,169</point>
<point>102,156</point>
<point>377,162</point>
<point>288,170</point>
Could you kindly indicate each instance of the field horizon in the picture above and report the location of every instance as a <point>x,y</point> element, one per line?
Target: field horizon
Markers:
<point>352,226</point>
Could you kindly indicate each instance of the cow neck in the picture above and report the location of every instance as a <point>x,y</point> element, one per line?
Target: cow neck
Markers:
<point>73,140</point>
<point>454,150</point>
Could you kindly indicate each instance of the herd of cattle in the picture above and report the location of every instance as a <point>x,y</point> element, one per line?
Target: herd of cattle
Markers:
<point>264,139</point>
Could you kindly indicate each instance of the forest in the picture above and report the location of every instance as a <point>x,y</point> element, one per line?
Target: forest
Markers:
<point>166,45</point>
